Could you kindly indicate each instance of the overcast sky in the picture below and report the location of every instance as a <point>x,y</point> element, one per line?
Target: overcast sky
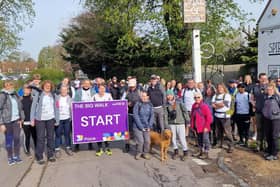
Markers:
<point>53,15</point>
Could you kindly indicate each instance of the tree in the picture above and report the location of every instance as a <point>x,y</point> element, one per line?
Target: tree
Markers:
<point>14,15</point>
<point>51,57</point>
<point>149,33</point>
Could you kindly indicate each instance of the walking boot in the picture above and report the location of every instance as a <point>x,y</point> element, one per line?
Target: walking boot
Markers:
<point>197,154</point>
<point>175,154</point>
<point>185,154</point>
<point>204,156</point>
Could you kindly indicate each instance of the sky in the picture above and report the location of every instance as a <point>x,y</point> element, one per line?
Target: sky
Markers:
<point>54,15</point>
<point>51,17</point>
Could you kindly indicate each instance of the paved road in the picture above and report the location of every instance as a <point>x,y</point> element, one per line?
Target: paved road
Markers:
<point>86,170</point>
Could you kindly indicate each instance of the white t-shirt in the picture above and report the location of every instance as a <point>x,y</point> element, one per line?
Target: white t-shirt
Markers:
<point>64,108</point>
<point>86,95</point>
<point>242,103</point>
<point>48,107</point>
<point>221,112</point>
<point>105,97</point>
<point>188,97</point>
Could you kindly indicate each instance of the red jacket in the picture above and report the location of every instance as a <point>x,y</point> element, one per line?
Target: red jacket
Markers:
<point>201,117</point>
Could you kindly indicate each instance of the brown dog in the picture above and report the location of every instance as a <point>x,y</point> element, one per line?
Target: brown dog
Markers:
<point>163,140</point>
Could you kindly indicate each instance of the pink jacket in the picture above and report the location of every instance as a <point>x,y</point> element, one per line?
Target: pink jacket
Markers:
<point>201,117</point>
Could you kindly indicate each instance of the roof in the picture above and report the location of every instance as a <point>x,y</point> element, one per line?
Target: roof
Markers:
<point>266,7</point>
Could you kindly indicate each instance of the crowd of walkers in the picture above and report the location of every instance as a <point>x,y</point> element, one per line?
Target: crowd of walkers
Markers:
<point>210,114</point>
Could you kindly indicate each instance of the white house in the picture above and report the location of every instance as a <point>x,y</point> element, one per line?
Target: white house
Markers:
<point>269,40</point>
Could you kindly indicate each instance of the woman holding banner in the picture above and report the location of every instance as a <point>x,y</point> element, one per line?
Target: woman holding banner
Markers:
<point>103,96</point>
<point>143,114</point>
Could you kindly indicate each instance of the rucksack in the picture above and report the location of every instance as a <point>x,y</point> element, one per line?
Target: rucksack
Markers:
<point>232,104</point>
<point>40,93</point>
<point>184,92</point>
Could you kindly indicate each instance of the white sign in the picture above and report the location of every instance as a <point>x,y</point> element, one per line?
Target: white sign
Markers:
<point>194,11</point>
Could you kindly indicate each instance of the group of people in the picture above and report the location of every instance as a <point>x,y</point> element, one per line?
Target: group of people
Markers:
<point>202,111</point>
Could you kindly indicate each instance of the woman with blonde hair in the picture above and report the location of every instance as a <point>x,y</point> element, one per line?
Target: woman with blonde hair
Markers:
<point>221,103</point>
<point>271,113</point>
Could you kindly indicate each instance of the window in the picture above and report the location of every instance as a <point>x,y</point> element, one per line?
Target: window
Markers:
<point>27,70</point>
<point>10,70</point>
<point>274,71</point>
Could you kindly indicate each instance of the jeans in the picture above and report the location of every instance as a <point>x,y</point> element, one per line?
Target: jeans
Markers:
<point>203,141</point>
<point>12,138</point>
<point>65,127</point>
<point>180,131</point>
<point>44,129</point>
<point>143,141</point>
<point>29,132</point>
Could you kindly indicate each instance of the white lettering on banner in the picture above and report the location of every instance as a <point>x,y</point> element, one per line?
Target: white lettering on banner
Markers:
<point>99,120</point>
<point>79,106</point>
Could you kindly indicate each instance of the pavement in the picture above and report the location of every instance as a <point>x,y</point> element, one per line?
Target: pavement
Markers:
<point>121,169</point>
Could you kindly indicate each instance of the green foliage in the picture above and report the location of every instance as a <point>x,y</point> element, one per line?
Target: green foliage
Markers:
<point>51,57</point>
<point>54,75</point>
<point>246,53</point>
<point>144,33</point>
<point>14,16</point>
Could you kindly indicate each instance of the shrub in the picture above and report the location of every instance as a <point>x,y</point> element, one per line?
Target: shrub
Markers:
<point>50,74</point>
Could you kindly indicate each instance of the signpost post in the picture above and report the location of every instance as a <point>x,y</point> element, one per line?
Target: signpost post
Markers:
<point>195,12</point>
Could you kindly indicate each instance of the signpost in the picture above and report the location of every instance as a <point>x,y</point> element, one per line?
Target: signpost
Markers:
<point>99,121</point>
<point>195,12</point>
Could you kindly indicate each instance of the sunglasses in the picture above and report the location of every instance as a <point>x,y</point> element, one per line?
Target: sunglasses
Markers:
<point>197,97</point>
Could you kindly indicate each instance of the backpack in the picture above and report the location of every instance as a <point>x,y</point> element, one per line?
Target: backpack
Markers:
<point>184,92</point>
<point>232,104</point>
<point>40,93</point>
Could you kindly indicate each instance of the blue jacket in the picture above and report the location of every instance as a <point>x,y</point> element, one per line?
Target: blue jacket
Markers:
<point>143,114</point>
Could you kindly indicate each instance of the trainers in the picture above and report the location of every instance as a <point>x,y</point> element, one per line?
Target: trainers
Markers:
<point>99,153</point>
<point>146,156</point>
<point>41,162</point>
<point>57,153</point>
<point>68,151</point>
<point>271,157</point>
<point>11,162</point>
<point>51,159</point>
<point>109,152</point>
<point>17,159</point>
<point>138,156</point>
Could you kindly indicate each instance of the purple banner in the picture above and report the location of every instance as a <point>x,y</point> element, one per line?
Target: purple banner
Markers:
<point>99,121</point>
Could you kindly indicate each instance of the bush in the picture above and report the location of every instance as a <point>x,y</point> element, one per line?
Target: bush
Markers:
<point>50,74</point>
